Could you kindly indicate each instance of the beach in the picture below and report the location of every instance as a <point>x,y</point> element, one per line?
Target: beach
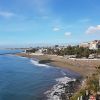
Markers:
<point>84,67</point>
<point>65,86</point>
<point>66,89</point>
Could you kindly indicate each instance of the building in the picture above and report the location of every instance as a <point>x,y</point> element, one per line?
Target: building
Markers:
<point>94,45</point>
<point>84,45</point>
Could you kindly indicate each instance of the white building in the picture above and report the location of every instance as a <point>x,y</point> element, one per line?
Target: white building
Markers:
<point>94,45</point>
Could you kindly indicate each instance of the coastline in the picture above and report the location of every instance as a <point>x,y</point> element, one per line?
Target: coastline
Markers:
<point>82,67</point>
<point>64,89</point>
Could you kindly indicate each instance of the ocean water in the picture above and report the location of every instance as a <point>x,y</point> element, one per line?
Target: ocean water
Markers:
<point>24,79</point>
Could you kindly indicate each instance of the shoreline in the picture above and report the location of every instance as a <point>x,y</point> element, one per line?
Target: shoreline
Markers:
<point>82,67</point>
<point>53,63</point>
<point>63,89</point>
<point>65,86</point>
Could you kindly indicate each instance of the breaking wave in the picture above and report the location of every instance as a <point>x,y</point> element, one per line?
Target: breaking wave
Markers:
<point>37,64</point>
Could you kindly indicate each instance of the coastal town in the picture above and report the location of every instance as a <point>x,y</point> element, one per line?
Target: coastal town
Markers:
<point>92,50</point>
<point>83,59</point>
<point>49,50</point>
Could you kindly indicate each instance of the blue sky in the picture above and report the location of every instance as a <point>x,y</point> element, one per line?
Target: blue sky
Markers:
<point>28,22</point>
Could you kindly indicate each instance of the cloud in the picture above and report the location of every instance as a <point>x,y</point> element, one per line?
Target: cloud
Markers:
<point>56,29</point>
<point>6,14</point>
<point>93,29</point>
<point>68,33</point>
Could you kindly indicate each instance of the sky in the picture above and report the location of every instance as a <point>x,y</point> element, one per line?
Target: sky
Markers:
<point>30,22</point>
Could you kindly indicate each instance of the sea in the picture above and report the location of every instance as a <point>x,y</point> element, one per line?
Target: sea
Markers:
<point>24,78</point>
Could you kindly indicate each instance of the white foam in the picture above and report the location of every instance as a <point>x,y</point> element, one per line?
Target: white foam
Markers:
<point>58,89</point>
<point>37,64</point>
<point>64,80</point>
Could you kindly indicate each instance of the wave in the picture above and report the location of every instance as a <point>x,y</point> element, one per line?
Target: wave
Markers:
<point>58,89</point>
<point>37,64</point>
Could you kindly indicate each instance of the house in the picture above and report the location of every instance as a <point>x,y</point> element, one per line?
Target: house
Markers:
<point>94,45</point>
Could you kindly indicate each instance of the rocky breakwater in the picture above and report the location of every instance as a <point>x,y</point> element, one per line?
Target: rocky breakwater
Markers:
<point>64,89</point>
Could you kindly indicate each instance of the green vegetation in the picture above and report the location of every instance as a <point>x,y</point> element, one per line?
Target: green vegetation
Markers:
<point>73,50</point>
<point>33,50</point>
<point>70,50</point>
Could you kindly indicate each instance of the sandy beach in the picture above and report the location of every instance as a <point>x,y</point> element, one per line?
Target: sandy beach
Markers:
<point>84,67</point>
